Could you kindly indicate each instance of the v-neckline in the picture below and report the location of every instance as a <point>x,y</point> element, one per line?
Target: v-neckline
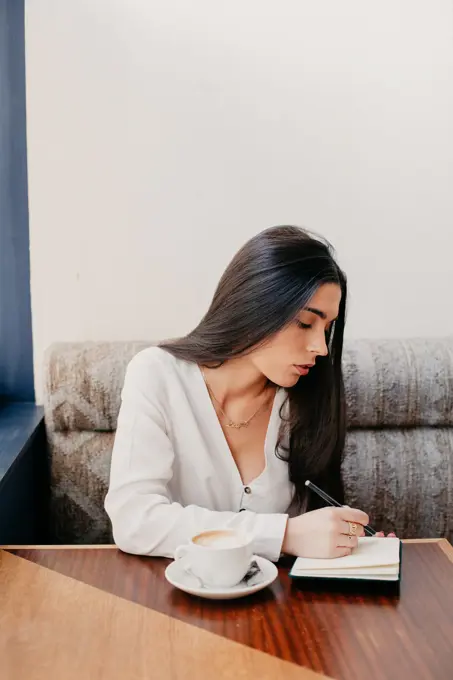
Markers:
<point>221,433</point>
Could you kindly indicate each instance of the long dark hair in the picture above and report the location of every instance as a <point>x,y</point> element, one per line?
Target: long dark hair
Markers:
<point>270,279</point>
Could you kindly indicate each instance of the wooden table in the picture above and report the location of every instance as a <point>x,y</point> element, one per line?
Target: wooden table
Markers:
<point>52,626</point>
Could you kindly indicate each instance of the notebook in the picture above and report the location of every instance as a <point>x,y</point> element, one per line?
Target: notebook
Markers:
<point>374,559</point>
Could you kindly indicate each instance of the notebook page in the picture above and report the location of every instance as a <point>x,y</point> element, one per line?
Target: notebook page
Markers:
<point>370,552</point>
<point>361,571</point>
<point>362,577</point>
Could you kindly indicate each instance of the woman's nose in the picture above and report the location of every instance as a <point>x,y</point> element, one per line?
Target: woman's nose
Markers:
<point>318,346</point>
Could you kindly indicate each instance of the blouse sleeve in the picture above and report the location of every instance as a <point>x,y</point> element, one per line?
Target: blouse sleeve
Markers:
<point>144,519</point>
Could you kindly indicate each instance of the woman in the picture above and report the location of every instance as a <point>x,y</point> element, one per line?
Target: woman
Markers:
<point>221,428</point>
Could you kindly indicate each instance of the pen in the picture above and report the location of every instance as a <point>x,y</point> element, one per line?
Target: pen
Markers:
<point>331,501</point>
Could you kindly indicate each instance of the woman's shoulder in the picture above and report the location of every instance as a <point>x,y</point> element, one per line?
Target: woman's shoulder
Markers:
<point>152,356</point>
<point>158,364</point>
<point>153,378</point>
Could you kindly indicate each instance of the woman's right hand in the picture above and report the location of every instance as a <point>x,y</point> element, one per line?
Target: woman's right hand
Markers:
<point>324,532</point>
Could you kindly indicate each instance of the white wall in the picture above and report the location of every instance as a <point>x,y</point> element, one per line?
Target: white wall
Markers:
<point>161,135</point>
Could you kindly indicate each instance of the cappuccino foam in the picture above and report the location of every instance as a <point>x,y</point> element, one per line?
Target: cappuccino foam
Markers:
<point>218,539</point>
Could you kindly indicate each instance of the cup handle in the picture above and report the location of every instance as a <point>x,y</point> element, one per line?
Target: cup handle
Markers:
<point>180,553</point>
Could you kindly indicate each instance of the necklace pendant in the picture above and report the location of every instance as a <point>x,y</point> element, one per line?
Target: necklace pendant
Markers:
<point>237,426</point>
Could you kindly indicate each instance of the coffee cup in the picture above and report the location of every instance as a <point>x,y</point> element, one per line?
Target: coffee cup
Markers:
<point>218,559</point>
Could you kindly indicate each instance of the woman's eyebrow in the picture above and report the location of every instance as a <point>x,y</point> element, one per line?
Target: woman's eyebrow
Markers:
<point>318,312</point>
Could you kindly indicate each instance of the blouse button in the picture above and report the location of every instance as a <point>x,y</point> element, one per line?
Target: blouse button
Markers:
<point>247,489</point>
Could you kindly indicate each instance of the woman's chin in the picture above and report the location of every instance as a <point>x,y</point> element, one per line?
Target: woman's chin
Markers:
<point>288,381</point>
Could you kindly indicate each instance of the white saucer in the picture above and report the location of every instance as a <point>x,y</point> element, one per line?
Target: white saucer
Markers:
<point>179,578</point>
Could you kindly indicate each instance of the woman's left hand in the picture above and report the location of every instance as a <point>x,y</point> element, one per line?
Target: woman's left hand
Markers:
<point>380,534</point>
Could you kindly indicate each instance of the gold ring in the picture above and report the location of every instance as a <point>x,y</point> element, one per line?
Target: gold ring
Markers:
<point>352,529</point>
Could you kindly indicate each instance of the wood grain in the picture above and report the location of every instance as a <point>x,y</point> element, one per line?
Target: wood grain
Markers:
<point>107,546</point>
<point>345,636</point>
<point>66,629</point>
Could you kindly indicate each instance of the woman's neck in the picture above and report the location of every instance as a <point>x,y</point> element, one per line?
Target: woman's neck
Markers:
<point>236,379</point>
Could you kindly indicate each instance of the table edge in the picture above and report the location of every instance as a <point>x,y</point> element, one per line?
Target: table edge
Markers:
<point>446,548</point>
<point>443,543</point>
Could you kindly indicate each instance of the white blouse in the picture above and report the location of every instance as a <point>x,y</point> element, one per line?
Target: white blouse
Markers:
<point>173,474</point>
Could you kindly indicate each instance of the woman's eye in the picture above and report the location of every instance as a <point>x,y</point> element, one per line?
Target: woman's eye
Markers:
<point>303,325</point>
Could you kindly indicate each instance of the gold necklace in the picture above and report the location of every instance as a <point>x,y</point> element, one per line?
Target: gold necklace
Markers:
<point>231,423</point>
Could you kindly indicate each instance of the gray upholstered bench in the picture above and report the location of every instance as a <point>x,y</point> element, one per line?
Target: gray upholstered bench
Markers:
<point>399,456</point>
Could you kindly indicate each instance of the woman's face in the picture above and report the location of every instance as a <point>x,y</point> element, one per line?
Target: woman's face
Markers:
<point>282,357</point>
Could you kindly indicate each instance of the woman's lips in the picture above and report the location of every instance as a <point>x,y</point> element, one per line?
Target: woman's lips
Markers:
<point>303,370</point>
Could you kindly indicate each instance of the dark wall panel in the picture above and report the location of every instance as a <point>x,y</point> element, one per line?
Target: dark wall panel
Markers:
<point>16,349</point>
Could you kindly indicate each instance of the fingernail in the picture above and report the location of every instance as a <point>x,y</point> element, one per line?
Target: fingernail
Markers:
<point>392,535</point>
<point>380,534</point>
